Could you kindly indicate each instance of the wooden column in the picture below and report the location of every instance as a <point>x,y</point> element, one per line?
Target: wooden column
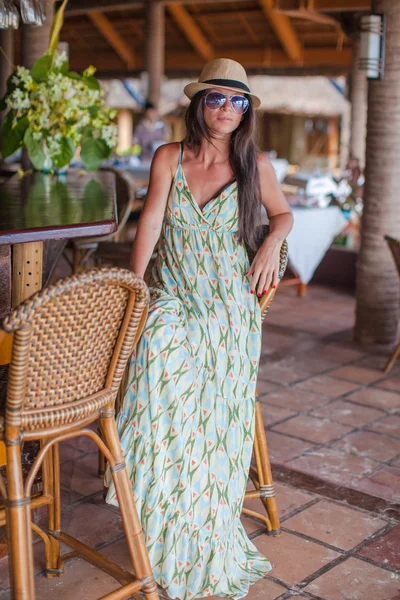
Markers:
<point>27,270</point>
<point>377,308</point>
<point>125,129</point>
<point>35,40</point>
<point>155,49</point>
<point>7,43</point>
<point>358,98</point>
<point>333,142</point>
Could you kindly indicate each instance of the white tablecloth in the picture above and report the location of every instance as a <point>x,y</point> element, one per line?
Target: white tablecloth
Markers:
<point>313,232</point>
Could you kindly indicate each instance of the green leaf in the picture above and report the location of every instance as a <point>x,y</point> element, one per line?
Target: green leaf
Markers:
<point>93,152</point>
<point>41,67</point>
<point>12,135</point>
<point>93,110</point>
<point>35,150</point>
<point>64,68</point>
<point>74,75</point>
<point>92,83</point>
<point>56,28</point>
<point>66,153</point>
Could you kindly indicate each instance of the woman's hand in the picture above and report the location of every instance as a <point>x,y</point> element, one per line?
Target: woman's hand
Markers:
<point>265,267</point>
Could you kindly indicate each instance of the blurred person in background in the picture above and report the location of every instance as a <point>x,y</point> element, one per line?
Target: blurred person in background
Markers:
<point>150,133</point>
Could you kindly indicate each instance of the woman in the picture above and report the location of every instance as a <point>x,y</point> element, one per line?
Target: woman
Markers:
<point>150,133</point>
<point>186,424</point>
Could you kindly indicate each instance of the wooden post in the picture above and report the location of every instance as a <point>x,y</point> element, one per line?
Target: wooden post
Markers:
<point>6,66</point>
<point>27,270</point>
<point>125,129</point>
<point>35,40</point>
<point>333,142</point>
<point>377,296</point>
<point>358,97</point>
<point>155,49</point>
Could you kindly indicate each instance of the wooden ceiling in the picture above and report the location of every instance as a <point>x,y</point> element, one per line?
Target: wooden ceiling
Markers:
<point>266,36</point>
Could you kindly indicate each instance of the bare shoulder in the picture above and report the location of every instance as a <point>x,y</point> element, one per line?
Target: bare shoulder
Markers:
<point>166,156</point>
<point>265,168</point>
<point>263,163</point>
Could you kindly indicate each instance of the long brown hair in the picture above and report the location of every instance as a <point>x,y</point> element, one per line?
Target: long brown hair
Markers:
<point>243,159</point>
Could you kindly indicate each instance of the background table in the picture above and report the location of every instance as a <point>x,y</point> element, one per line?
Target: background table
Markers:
<point>313,232</point>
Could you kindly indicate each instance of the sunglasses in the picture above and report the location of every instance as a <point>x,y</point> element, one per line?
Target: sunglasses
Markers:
<point>215,100</point>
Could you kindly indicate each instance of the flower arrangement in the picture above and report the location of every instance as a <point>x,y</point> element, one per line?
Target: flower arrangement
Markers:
<point>54,111</point>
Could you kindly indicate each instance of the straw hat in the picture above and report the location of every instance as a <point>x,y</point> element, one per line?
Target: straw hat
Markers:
<point>222,73</point>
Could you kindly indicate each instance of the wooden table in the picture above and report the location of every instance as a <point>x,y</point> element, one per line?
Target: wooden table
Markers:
<point>39,208</point>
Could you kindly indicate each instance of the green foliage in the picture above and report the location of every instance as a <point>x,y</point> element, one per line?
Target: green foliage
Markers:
<point>54,111</point>
<point>41,68</point>
<point>56,27</point>
<point>35,150</point>
<point>93,151</point>
<point>12,133</point>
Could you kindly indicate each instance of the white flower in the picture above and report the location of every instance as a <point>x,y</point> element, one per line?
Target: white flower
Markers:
<point>23,75</point>
<point>60,58</point>
<point>109,135</point>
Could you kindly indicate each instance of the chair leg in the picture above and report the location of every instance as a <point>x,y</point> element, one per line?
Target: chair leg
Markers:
<point>262,479</point>
<point>392,360</point>
<point>267,490</point>
<point>54,513</point>
<point>133,530</point>
<point>19,533</point>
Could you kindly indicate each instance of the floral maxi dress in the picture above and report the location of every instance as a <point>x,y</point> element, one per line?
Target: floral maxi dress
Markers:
<point>187,420</point>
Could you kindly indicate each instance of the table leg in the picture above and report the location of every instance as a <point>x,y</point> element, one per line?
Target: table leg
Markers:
<point>302,289</point>
<point>26,270</point>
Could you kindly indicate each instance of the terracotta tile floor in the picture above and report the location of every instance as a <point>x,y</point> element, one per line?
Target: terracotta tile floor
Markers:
<point>333,431</point>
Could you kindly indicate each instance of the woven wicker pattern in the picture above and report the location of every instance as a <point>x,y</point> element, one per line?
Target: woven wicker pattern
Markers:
<point>64,343</point>
<point>71,339</point>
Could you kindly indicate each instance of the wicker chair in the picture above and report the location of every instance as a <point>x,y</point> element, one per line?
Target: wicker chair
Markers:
<point>261,474</point>
<point>71,344</point>
<point>394,246</point>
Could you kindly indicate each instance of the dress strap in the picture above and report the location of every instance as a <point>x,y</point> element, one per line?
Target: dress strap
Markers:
<point>180,153</point>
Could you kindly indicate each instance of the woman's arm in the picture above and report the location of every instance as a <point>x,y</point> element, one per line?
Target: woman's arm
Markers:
<point>152,215</point>
<point>265,266</point>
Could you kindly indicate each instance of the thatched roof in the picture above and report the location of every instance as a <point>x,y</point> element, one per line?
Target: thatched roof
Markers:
<point>308,96</point>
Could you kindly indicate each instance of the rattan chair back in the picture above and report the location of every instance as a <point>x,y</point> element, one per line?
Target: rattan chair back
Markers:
<point>71,344</point>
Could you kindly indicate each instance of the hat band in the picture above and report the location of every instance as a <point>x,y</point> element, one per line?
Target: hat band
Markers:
<point>228,83</point>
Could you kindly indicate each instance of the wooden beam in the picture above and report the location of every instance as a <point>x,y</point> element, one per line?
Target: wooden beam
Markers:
<point>284,30</point>
<point>284,6</point>
<point>209,30</point>
<point>77,7</point>
<point>191,31</point>
<point>257,58</point>
<point>112,36</point>
<point>254,38</point>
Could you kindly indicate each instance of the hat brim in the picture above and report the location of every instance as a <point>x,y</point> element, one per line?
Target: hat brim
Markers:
<point>192,88</point>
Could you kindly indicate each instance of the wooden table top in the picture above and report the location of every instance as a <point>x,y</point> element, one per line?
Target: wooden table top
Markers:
<point>42,207</point>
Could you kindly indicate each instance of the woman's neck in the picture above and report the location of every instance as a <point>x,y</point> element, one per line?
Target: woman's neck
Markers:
<point>216,152</point>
